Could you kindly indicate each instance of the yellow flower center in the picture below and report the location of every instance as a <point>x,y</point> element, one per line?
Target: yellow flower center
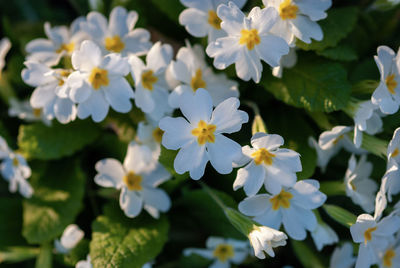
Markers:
<point>391,83</point>
<point>288,10</point>
<point>149,79</point>
<point>15,162</point>
<point>197,80</point>
<point>214,20</point>
<point>133,181</point>
<point>368,234</point>
<point>223,252</point>
<point>37,112</point>
<point>395,152</point>
<point>338,139</point>
<point>281,200</point>
<point>98,77</point>
<point>250,38</point>
<point>157,134</point>
<point>114,44</point>
<point>353,186</point>
<point>388,257</point>
<point>204,132</point>
<point>263,156</point>
<point>66,47</point>
<point>63,74</point>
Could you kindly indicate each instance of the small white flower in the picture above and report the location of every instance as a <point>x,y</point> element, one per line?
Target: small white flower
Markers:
<point>84,263</point>
<point>147,265</point>
<point>118,34</point>
<point>393,151</point>
<point>222,251</point>
<point>200,18</point>
<point>151,88</point>
<point>5,46</point>
<point>390,256</point>
<point>191,69</point>
<point>297,18</point>
<point>359,187</point>
<point>71,236</point>
<point>292,207</point>
<point>338,137</point>
<point>267,164</point>
<point>199,136</point>
<point>24,111</point>
<point>387,95</point>
<point>249,40</point>
<point>323,156</point>
<point>99,82</point>
<point>324,235</point>
<point>287,61</point>
<point>391,180</point>
<point>373,236</point>
<point>342,257</point>
<point>150,135</point>
<point>62,41</point>
<point>138,181</point>
<point>264,239</point>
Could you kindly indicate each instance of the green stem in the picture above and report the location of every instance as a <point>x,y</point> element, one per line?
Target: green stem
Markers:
<point>45,257</point>
<point>213,195</point>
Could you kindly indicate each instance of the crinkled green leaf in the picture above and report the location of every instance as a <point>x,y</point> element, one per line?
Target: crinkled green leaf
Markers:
<point>341,53</point>
<point>118,241</point>
<point>307,257</point>
<point>57,200</point>
<point>43,142</point>
<point>340,215</point>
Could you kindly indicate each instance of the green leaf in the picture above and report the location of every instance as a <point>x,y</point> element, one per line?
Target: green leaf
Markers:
<point>57,200</point>
<point>339,23</point>
<point>341,53</point>
<point>307,257</point>
<point>42,142</point>
<point>78,253</point>
<point>340,215</point>
<point>331,188</point>
<point>171,8</point>
<point>118,241</point>
<point>10,229</point>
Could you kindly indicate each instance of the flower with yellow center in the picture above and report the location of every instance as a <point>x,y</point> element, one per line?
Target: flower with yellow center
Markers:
<point>223,252</point>
<point>15,162</point>
<point>263,156</point>
<point>37,112</point>
<point>69,48</point>
<point>388,257</point>
<point>288,10</point>
<point>98,78</point>
<point>250,38</point>
<point>368,234</point>
<point>204,132</point>
<point>114,44</point>
<point>133,181</point>
<point>214,20</point>
<point>281,200</point>
<point>198,81</point>
<point>157,134</point>
<point>391,83</point>
<point>148,79</point>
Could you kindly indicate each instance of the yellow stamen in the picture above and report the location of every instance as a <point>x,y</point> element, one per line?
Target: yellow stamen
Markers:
<point>148,80</point>
<point>157,134</point>
<point>288,10</point>
<point>37,112</point>
<point>281,200</point>
<point>133,181</point>
<point>368,234</point>
<point>223,252</point>
<point>204,132</point>
<point>214,20</point>
<point>391,83</point>
<point>114,44</point>
<point>15,162</point>
<point>197,80</point>
<point>338,139</point>
<point>395,152</point>
<point>66,47</point>
<point>250,38</point>
<point>263,156</point>
<point>353,186</point>
<point>61,82</point>
<point>388,257</point>
<point>98,78</point>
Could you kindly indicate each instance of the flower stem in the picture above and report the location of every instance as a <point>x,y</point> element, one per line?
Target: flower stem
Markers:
<point>213,195</point>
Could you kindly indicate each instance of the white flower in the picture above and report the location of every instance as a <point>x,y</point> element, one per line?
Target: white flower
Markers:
<point>393,151</point>
<point>99,82</point>
<point>287,61</point>
<point>292,207</point>
<point>147,265</point>
<point>62,41</point>
<point>199,136</point>
<point>49,97</point>
<point>342,257</point>
<point>390,256</point>
<point>249,40</point>
<point>84,263</point>
<point>391,180</point>
<point>117,35</point>
<point>222,251</point>
<point>387,95</point>
<point>150,135</point>
<point>200,18</point>
<point>359,187</point>
<point>372,236</point>
<point>338,137</point>
<point>297,18</point>
<point>24,111</point>
<point>263,239</point>
<point>324,235</point>
<point>267,164</point>
<point>71,236</point>
<point>191,69</point>
<point>323,156</point>
<point>137,180</point>
<point>5,46</point>
<point>151,88</point>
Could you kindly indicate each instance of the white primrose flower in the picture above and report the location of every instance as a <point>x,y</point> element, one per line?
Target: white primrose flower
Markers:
<point>191,69</point>
<point>200,18</point>
<point>99,82</point>
<point>200,136</point>
<point>222,251</point>
<point>359,187</point>
<point>391,180</point>
<point>149,134</point>
<point>323,235</point>
<point>71,236</point>
<point>62,41</point>
<point>393,151</point>
<point>373,236</point>
<point>151,88</point>
<point>5,46</point>
<point>338,137</point>
<point>267,164</point>
<point>118,34</point>
<point>287,61</point>
<point>342,257</point>
<point>84,263</point>
<point>15,170</point>
<point>49,99</point>
<point>138,181</point>
<point>390,256</point>
<point>249,40</point>
<point>323,156</point>
<point>24,111</point>
<point>264,239</point>
<point>387,95</point>
<point>292,207</point>
<point>297,18</point>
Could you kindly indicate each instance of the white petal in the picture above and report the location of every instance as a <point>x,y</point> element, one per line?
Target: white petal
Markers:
<point>130,203</point>
<point>159,57</point>
<point>118,21</point>
<point>232,18</point>
<point>255,205</point>
<point>115,65</point>
<point>268,141</point>
<point>176,132</point>
<point>305,29</point>
<point>198,160</point>
<point>227,117</point>
<point>87,57</point>
<point>110,173</point>
<point>222,153</point>
<point>118,95</point>
<point>196,107</point>
<point>137,42</point>
<point>271,49</point>
<point>95,106</point>
<point>195,22</point>
<point>248,65</point>
<point>225,51</point>
<point>156,198</point>
<point>307,195</point>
